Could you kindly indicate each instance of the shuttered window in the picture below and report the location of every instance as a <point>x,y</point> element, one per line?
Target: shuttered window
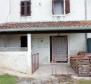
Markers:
<point>67,6</point>
<point>60,7</point>
<point>25,8</point>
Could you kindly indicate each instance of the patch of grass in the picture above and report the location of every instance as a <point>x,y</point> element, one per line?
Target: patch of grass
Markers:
<point>84,82</point>
<point>7,79</point>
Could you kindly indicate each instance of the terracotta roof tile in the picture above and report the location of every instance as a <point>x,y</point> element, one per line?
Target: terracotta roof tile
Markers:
<point>46,24</point>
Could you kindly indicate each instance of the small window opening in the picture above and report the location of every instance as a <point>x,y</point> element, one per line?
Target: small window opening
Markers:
<point>23,41</point>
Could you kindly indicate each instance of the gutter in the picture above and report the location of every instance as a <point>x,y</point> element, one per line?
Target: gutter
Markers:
<point>37,29</point>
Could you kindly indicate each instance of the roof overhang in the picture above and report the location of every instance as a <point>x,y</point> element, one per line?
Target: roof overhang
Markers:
<point>47,29</point>
<point>44,27</point>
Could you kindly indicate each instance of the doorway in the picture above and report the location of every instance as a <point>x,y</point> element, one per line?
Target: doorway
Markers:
<point>59,49</point>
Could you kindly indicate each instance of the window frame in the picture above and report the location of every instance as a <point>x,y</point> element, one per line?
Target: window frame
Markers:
<point>64,9</point>
<point>27,4</point>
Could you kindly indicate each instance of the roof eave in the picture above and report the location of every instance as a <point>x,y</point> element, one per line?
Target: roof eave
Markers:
<point>45,29</point>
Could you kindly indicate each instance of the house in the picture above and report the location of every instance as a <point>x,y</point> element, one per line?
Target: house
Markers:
<point>38,32</point>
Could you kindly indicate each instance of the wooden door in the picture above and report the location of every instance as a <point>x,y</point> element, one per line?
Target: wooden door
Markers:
<point>59,49</point>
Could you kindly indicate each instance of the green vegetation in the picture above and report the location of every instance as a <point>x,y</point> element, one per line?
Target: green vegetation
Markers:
<point>7,79</point>
<point>84,82</point>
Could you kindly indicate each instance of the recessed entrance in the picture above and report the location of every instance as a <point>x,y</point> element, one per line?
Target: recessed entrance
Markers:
<point>59,49</point>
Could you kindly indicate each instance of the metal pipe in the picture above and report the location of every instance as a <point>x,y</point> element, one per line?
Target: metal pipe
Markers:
<point>85,3</point>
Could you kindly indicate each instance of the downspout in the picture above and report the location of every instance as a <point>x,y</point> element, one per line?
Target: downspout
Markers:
<point>85,6</point>
<point>9,11</point>
<point>86,42</point>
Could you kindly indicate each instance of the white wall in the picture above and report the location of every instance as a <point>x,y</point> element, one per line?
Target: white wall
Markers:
<point>12,56</point>
<point>88,9</point>
<point>42,11</point>
<point>14,61</point>
<point>41,44</point>
<point>77,42</point>
<point>4,10</point>
<point>88,35</point>
<point>10,41</point>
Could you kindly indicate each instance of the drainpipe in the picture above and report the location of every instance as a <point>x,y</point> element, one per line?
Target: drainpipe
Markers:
<point>9,6</point>
<point>85,5</point>
<point>9,10</point>
<point>86,41</point>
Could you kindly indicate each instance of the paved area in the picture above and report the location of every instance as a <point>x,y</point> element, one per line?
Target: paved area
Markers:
<point>49,69</point>
<point>45,74</point>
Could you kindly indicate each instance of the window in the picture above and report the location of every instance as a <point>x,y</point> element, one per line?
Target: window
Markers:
<point>25,8</point>
<point>60,7</point>
<point>23,41</point>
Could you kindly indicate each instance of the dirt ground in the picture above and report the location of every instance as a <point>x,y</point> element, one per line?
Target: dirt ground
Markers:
<point>55,79</point>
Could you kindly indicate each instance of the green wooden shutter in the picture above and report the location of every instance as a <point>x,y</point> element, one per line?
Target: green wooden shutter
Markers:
<point>89,45</point>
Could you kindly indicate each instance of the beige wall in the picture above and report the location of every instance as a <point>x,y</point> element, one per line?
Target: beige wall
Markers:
<point>41,44</point>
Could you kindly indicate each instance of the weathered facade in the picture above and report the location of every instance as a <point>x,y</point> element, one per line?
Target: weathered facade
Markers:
<point>12,11</point>
<point>37,32</point>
